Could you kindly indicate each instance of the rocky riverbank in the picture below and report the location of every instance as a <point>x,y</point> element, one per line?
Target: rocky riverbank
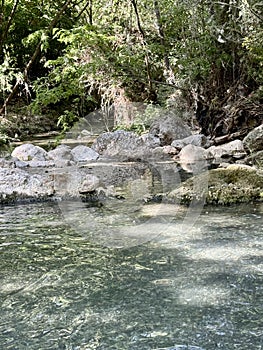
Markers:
<point>169,163</point>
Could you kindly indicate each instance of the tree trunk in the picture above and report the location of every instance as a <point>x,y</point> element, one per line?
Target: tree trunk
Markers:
<point>161,33</point>
<point>147,59</point>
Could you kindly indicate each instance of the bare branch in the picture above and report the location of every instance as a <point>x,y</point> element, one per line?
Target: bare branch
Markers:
<point>89,7</point>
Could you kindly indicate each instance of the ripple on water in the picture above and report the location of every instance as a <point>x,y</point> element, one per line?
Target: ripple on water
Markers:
<point>179,289</point>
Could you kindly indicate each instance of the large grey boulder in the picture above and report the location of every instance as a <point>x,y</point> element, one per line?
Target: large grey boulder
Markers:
<point>83,153</point>
<point>150,140</point>
<point>28,152</point>
<point>121,145</point>
<point>227,150</point>
<point>198,140</point>
<point>62,152</point>
<point>66,182</point>
<point>61,156</point>
<point>169,127</point>
<point>253,142</point>
<point>17,184</point>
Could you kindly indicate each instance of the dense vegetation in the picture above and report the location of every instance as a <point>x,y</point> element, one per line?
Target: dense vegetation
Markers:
<point>71,57</point>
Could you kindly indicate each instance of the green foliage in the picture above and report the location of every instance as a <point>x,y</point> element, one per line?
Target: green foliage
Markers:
<point>100,51</point>
<point>254,45</point>
<point>150,113</point>
<point>34,38</point>
<point>8,75</point>
<point>66,120</point>
<point>137,128</point>
<point>4,140</point>
<point>142,119</point>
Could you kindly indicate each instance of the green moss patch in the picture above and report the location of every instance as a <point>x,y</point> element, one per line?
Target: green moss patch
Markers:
<point>235,184</point>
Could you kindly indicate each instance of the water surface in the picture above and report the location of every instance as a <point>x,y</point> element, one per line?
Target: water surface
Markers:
<point>181,289</point>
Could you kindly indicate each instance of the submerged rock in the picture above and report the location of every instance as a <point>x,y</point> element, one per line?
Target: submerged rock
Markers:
<point>234,184</point>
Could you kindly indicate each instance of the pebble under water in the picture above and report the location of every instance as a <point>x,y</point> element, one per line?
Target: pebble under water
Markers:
<point>196,289</point>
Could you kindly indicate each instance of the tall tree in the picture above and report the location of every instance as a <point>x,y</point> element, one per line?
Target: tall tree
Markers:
<point>210,50</point>
<point>40,46</point>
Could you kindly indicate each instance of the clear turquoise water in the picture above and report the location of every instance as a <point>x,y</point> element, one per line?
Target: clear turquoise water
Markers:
<point>181,290</point>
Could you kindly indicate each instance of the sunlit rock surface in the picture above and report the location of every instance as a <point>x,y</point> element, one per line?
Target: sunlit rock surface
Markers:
<point>227,150</point>
<point>28,152</point>
<point>61,152</point>
<point>83,153</point>
<point>120,158</point>
<point>17,185</point>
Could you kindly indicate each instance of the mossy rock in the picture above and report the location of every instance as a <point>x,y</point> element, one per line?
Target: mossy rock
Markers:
<point>234,184</point>
<point>256,159</point>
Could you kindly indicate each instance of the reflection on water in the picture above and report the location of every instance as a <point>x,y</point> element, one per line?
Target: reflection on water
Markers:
<point>181,290</point>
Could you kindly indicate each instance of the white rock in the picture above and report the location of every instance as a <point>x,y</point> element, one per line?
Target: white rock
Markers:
<point>28,152</point>
<point>193,158</point>
<point>84,154</point>
<point>191,153</point>
<point>61,152</point>
<point>228,149</point>
<point>89,184</point>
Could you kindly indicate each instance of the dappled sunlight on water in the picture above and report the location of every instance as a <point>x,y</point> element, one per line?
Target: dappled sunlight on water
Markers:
<point>225,253</point>
<point>202,295</point>
<point>179,288</point>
